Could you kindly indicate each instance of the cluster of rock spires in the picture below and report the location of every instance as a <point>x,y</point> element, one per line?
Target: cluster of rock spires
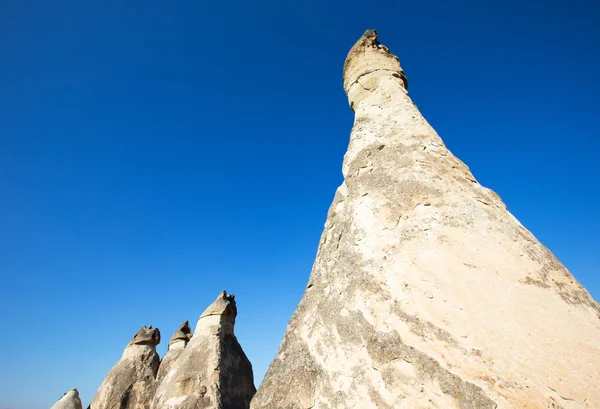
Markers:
<point>206,370</point>
<point>425,293</point>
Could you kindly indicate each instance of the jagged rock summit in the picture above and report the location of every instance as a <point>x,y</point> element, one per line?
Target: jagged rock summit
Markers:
<point>130,384</point>
<point>70,400</point>
<point>426,292</point>
<point>212,371</point>
<point>178,342</point>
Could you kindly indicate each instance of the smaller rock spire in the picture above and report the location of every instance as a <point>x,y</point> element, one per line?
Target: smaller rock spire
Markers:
<point>212,370</point>
<point>183,334</point>
<point>178,342</point>
<point>130,384</point>
<point>70,400</point>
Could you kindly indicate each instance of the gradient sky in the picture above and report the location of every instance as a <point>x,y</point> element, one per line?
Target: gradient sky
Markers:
<point>154,153</point>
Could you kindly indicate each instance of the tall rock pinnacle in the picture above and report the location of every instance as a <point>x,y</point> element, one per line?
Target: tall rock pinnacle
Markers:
<point>426,292</point>
<point>212,372</point>
<point>130,383</point>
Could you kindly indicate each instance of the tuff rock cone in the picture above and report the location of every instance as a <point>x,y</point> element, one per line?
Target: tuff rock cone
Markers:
<point>70,400</point>
<point>178,342</point>
<point>426,292</point>
<point>212,371</point>
<point>130,383</point>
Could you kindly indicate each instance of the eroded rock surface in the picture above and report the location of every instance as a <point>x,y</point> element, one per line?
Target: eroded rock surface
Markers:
<point>213,370</point>
<point>70,400</point>
<point>426,292</point>
<point>130,384</point>
<point>178,342</point>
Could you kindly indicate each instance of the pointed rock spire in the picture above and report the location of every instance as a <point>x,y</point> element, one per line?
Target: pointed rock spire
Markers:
<point>178,342</point>
<point>130,383</point>
<point>183,334</point>
<point>212,371</point>
<point>426,292</point>
<point>70,400</point>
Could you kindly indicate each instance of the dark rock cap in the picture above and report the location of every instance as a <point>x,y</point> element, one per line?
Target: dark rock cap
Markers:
<point>146,336</point>
<point>368,55</point>
<point>224,305</point>
<point>183,333</point>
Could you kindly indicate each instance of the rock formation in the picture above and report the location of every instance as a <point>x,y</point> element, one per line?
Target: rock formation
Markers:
<point>426,292</point>
<point>130,383</point>
<point>70,400</point>
<point>178,342</point>
<point>212,371</point>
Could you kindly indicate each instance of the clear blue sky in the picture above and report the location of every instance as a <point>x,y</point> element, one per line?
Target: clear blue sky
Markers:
<point>154,153</point>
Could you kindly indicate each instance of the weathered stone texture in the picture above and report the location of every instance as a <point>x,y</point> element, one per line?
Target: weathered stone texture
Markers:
<point>212,371</point>
<point>176,346</point>
<point>426,292</point>
<point>70,400</point>
<point>130,383</point>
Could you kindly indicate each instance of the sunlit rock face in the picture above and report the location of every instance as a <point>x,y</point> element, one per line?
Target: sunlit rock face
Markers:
<point>70,400</point>
<point>426,292</point>
<point>212,371</point>
<point>176,346</point>
<point>130,384</point>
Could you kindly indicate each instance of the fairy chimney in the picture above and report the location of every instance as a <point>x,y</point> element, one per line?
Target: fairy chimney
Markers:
<point>426,292</point>
<point>212,372</point>
<point>130,383</point>
<point>178,342</point>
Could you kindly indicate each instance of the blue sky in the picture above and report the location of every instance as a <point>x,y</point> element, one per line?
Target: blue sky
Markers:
<point>154,153</point>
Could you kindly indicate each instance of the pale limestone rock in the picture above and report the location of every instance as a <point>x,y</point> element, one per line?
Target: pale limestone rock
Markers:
<point>70,400</point>
<point>426,292</point>
<point>212,371</point>
<point>178,342</point>
<point>130,384</point>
